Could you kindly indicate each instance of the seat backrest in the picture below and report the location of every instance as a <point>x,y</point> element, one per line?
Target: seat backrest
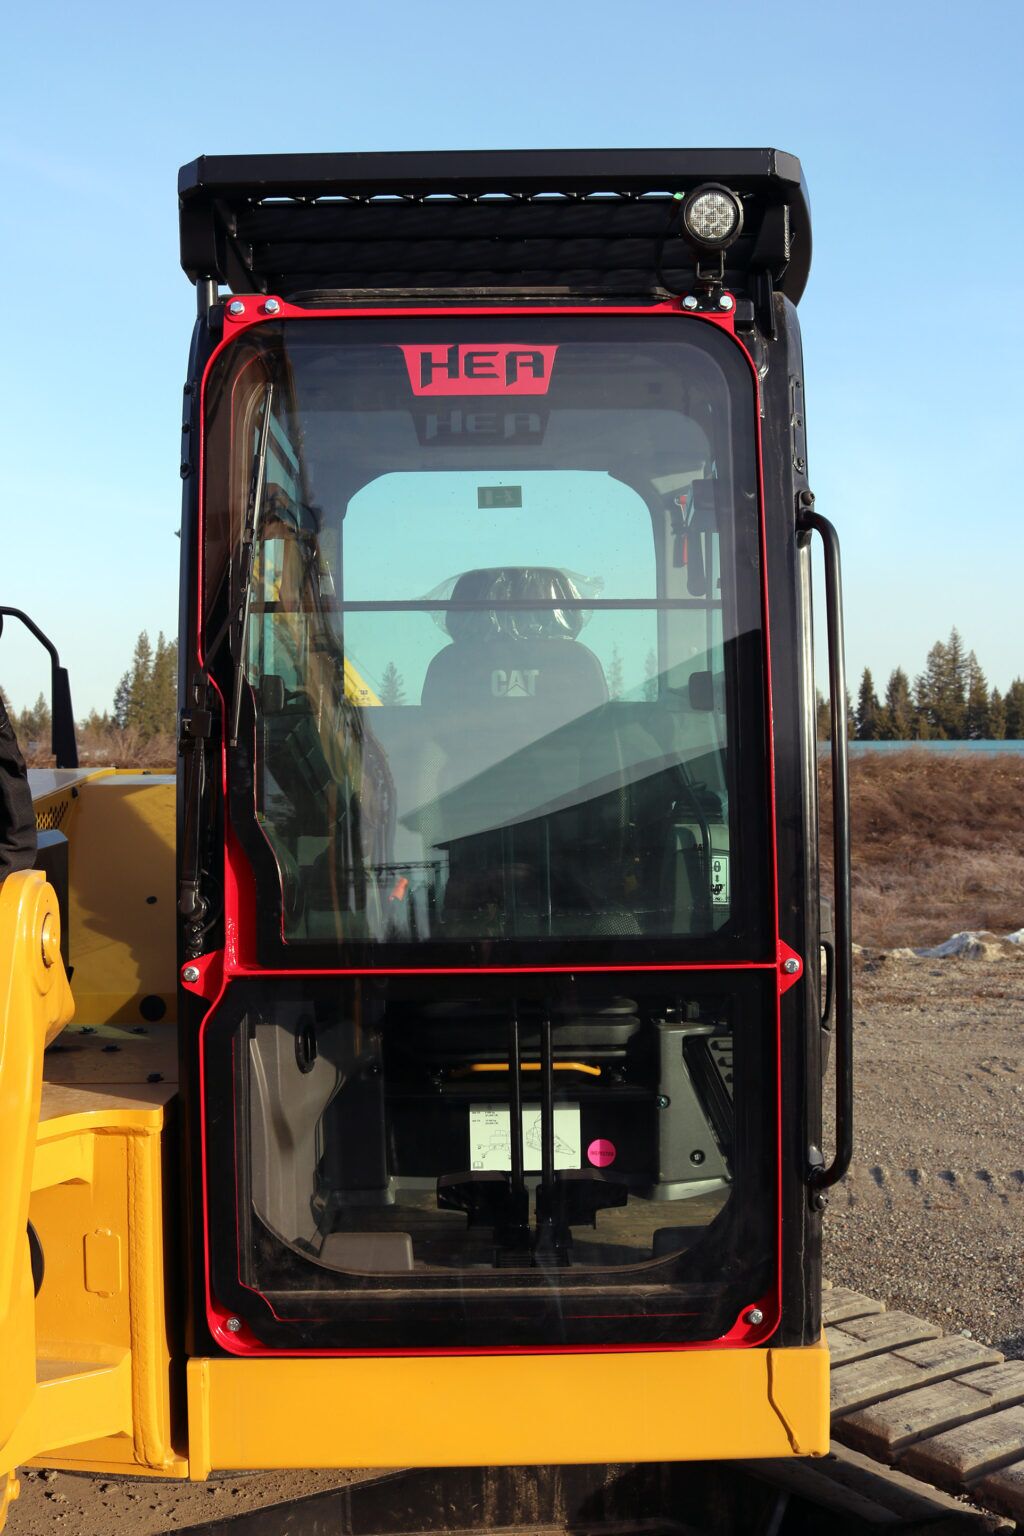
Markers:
<point>521,672</point>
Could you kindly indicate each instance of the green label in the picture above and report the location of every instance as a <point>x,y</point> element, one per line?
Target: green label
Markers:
<point>499,496</point>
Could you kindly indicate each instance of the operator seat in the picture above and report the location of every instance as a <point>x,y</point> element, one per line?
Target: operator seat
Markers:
<point>501,659</point>
<point>530,803</point>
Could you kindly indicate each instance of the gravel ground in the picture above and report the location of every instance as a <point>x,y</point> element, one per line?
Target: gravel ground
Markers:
<point>77,1504</point>
<point>931,1216</point>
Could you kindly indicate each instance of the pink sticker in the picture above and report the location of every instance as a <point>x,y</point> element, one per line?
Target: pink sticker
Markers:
<point>601,1153</point>
<point>439,369</point>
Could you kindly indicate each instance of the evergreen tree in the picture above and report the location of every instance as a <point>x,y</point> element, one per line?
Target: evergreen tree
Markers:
<point>162,690</point>
<point>615,678</point>
<point>898,712</point>
<point>869,713</point>
<point>392,685</point>
<point>940,691</point>
<point>122,700</point>
<point>996,716</point>
<point>33,725</point>
<point>1014,707</point>
<point>976,711</point>
<point>923,714</point>
<point>952,696</point>
<point>145,701</point>
<point>822,716</point>
<point>141,678</point>
<point>651,678</point>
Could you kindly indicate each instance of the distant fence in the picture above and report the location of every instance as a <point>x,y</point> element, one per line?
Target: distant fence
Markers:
<point>857,747</point>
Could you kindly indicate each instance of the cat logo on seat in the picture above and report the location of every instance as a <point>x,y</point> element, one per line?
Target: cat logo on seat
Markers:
<point>515,684</point>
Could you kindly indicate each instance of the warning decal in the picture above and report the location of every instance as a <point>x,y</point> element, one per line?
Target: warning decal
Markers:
<point>720,880</point>
<point>465,369</point>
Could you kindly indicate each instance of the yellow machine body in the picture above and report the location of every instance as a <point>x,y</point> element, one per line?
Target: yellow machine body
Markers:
<point>95,1377</point>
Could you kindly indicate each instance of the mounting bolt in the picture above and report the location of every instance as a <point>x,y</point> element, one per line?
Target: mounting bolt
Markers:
<point>233,1325</point>
<point>271,307</point>
<point>819,1200</point>
<point>725,302</point>
<point>190,973</point>
<point>690,302</point>
<point>663,1101</point>
<point>753,1317</point>
<point>791,966</point>
<point>236,308</point>
<point>806,498</point>
<point>697,1156</point>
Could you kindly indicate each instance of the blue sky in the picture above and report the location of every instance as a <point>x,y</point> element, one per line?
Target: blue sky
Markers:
<point>906,118</point>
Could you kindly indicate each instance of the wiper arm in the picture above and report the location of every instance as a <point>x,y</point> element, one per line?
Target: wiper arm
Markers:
<point>250,533</point>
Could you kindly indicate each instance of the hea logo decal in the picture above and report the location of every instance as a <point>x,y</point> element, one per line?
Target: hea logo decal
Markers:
<point>479,370</point>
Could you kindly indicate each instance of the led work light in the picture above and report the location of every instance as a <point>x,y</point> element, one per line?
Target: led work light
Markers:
<point>712,216</point>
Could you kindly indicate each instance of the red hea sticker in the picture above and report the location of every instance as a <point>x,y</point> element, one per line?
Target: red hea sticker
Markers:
<point>439,369</point>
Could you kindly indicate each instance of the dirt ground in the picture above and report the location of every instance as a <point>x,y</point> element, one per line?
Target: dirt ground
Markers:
<point>74,1504</point>
<point>931,1217</point>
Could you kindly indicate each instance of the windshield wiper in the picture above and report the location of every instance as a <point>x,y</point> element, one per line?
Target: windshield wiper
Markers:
<point>250,533</point>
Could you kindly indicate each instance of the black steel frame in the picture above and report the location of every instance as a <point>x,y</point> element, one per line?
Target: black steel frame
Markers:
<point>588,222</point>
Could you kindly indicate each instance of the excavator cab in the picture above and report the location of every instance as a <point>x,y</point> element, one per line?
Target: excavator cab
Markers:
<point>489,950</point>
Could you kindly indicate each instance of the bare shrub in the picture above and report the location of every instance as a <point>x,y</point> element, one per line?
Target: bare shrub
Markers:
<point>114,748</point>
<point>938,844</point>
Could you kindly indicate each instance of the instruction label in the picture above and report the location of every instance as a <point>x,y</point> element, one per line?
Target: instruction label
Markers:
<point>490,1141</point>
<point>719,879</point>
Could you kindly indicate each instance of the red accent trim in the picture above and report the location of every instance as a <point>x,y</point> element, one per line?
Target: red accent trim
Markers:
<point>239,887</point>
<point>742,1335</point>
<point>210,983</point>
<point>498,970</point>
<point>255,313</point>
<point>787,956</point>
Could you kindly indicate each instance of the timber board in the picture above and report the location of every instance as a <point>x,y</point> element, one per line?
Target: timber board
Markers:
<point>944,1409</point>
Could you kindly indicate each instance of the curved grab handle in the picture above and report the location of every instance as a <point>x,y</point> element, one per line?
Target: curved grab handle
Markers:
<point>828,949</point>
<point>62,716</point>
<point>820,1177</point>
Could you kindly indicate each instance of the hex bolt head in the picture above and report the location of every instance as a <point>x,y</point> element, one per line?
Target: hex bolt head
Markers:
<point>190,973</point>
<point>791,966</point>
<point>663,1101</point>
<point>236,308</point>
<point>271,307</point>
<point>725,302</point>
<point>697,1156</point>
<point>754,1316</point>
<point>689,302</point>
<point>233,1325</point>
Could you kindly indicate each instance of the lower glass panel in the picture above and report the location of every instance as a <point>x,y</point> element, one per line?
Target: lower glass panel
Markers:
<point>382,1198</point>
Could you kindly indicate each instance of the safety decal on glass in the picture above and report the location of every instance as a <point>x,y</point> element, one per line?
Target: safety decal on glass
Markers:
<point>490,1141</point>
<point>719,879</point>
<point>466,369</point>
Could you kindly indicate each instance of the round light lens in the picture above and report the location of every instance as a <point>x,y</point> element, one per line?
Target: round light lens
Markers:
<point>713,216</point>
